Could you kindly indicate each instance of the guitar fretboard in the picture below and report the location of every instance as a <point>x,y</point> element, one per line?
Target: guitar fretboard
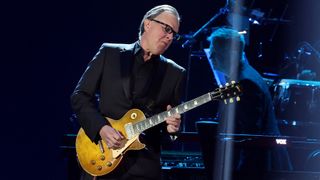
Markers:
<point>182,108</point>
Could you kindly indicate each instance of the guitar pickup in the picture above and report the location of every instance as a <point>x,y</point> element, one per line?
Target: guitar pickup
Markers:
<point>129,130</point>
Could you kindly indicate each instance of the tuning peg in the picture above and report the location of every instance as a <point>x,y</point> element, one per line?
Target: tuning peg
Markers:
<point>231,100</point>
<point>225,101</point>
<point>233,82</point>
<point>227,84</point>
<point>238,98</point>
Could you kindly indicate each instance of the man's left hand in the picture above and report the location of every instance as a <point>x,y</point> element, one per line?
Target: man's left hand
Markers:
<point>173,122</point>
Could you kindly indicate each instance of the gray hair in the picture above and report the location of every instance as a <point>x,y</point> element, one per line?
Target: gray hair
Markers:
<point>156,11</point>
<point>226,38</point>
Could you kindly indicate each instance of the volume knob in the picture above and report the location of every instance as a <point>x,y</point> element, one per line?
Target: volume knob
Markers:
<point>99,168</point>
<point>109,163</point>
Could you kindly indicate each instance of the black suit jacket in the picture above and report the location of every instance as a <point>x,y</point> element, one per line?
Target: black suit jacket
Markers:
<point>108,77</point>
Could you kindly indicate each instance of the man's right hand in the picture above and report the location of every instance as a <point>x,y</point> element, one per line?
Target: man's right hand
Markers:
<point>111,136</point>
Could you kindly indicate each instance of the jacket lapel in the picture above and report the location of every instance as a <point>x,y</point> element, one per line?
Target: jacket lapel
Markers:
<point>126,61</point>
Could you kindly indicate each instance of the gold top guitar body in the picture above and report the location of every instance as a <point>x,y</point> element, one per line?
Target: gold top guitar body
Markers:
<point>98,160</point>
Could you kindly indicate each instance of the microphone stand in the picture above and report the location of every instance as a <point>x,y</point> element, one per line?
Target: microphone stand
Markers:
<point>188,44</point>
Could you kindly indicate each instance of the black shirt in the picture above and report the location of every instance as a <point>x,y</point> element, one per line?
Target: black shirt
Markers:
<point>143,73</point>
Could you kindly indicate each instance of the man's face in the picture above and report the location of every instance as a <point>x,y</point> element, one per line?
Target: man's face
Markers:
<point>159,32</point>
<point>218,60</point>
<point>225,60</point>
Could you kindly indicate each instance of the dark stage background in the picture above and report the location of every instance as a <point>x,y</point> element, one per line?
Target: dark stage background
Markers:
<point>46,46</point>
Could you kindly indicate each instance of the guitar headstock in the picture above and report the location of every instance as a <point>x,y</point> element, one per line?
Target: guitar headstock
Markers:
<point>229,91</point>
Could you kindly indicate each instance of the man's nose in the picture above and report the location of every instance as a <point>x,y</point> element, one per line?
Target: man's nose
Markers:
<point>169,36</point>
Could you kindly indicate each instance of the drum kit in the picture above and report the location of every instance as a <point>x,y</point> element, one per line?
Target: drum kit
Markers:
<point>297,102</point>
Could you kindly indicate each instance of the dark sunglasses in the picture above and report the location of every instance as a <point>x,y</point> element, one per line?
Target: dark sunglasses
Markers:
<point>168,29</point>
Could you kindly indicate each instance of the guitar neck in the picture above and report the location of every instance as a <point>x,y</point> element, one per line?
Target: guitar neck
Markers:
<point>180,109</point>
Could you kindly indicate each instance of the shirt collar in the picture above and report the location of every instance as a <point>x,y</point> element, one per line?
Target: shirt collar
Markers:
<point>138,50</point>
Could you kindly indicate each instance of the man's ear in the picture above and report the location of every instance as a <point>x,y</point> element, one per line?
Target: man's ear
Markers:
<point>147,24</point>
<point>213,54</point>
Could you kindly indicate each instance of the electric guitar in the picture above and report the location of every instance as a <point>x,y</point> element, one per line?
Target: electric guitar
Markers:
<point>98,160</point>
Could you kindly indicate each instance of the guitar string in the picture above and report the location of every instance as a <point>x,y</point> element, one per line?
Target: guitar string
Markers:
<point>213,96</point>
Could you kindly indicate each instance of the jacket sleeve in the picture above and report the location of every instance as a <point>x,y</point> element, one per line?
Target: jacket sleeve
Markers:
<point>180,87</point>
<point>177,99</point>
<point>84,100</point>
